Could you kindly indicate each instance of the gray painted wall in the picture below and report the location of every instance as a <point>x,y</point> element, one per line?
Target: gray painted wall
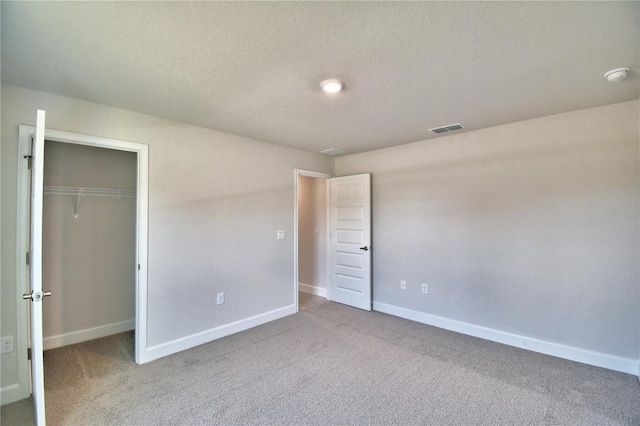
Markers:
<point>215,203</point>
<point>89,260</point>
<point>312,246</point>
<point>529,228</point>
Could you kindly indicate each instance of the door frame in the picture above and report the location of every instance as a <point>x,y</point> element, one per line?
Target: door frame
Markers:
<point>22,238</point>
<point>317,175</point>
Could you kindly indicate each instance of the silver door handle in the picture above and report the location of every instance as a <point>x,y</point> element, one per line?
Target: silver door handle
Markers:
<point>37,296</point>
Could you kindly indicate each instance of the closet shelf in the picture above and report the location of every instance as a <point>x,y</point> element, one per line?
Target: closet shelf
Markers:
<point>84,192</point>
<point>96,192</point>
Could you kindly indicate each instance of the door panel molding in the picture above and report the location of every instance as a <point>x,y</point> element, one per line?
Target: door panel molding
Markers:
<point>350,229</point>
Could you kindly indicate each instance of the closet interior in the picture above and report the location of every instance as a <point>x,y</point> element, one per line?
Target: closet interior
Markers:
<point>89,242</point>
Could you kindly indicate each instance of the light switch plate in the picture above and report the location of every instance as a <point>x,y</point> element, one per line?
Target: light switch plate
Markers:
<point>280,234</point>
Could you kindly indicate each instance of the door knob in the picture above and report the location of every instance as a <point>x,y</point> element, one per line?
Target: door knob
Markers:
<point>36,297</point>
<point>365,248</point>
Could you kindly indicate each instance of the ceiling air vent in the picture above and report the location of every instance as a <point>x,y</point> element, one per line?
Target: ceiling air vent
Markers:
<point>334,152</point>
<point>447,128</point>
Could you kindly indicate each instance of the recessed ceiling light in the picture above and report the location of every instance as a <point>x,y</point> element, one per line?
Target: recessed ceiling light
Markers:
<point>333,152</point>
<point>333,85</point>
<point>616,74</point>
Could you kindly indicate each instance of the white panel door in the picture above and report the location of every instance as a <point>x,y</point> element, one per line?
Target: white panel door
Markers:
<point>350,259</point>
<point>36,296</point>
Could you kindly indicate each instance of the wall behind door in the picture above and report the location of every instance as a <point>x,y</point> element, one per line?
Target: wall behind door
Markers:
<point>88,261</point>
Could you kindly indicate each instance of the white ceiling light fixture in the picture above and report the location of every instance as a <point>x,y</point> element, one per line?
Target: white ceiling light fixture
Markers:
<point>617,74</point>
<point>332,85</point>
<point>334,152</point>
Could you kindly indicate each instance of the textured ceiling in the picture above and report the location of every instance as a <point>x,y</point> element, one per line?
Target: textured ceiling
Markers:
<point>253,69</point>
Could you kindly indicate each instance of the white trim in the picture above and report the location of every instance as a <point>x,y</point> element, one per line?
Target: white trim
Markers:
<point>142,248</point>
<point>74,337</point>
<point>327,214</point>
<point>11,393</point>
<point>308,173</point>
<point>312,289</point>
<point>598,359</point>
<point>311,173</point>
<point>188,342</point>
<point>22,246</point>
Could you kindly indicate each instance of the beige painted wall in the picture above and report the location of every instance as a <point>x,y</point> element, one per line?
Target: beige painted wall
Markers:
<point>215,204</point>
<point>89,260</point>
<point>529,228</point>
<point>312,245</point>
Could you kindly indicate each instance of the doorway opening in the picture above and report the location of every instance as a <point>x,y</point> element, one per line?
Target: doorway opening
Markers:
<point>340,256</point>
<point>311,235</point>
<point>88,242</point>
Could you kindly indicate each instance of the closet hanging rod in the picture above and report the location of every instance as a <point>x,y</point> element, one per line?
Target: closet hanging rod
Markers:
<point>96,192</point>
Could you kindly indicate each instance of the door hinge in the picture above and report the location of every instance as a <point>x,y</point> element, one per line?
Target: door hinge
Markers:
<point>29,161</point>
<point>29,354</point>
<point>28,258</point>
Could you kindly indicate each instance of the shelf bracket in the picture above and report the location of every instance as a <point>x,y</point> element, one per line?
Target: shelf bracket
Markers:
<point>76,211</point>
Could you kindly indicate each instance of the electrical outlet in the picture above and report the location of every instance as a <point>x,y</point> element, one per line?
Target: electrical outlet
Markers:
<point>7,344</point>
<point>280,234</point>
<point>425,288</point>
<point>220,299</point>
<point>403,285</point>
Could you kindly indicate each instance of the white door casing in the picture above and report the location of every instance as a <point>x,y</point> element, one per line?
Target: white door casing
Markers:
<point>350,256</point>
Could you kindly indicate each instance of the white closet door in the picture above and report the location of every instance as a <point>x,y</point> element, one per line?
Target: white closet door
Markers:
<point>37,296</point>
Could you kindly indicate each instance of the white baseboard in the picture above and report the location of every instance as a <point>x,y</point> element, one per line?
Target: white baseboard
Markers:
<point>598,359</point>
<point>11,393</point>
<point>318,291</point>
<point>188,342</point>
<point>65,339</point>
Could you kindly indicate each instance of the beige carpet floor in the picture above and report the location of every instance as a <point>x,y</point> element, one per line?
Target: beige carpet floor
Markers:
<point>329,365</point>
